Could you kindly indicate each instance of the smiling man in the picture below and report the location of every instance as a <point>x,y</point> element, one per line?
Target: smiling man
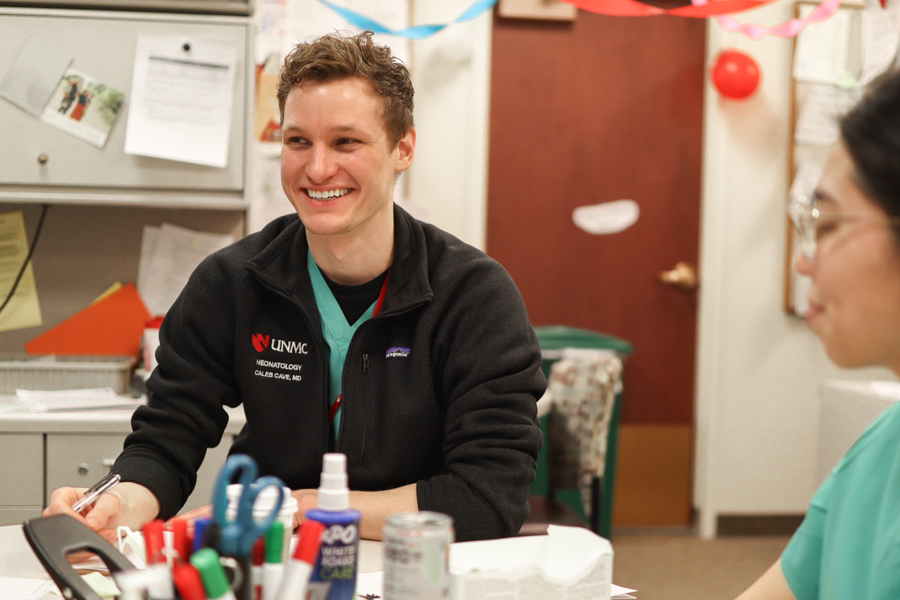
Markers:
<point>348,327</point>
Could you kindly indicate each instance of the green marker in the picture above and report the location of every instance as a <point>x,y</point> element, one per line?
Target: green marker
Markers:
<point>213,575</point>
<point>274,567</point>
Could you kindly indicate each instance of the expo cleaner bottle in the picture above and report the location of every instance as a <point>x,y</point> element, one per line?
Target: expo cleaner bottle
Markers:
<point>334,574</point>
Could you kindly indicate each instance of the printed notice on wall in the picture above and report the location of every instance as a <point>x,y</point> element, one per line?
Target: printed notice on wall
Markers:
<point>181,100</point>
<point>23,309</point>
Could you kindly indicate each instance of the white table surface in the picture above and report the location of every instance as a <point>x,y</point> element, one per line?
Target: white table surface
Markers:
<point>18,560</point>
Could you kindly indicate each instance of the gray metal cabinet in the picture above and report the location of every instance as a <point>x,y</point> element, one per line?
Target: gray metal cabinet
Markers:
<point>21,476</point>
<point>42,452</point>
<point>73,171</point>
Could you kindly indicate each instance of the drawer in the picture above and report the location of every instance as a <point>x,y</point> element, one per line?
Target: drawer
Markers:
<point>103,46</point>
<point>21,470</point>
<point>18,515</point>
<point>80,460</point>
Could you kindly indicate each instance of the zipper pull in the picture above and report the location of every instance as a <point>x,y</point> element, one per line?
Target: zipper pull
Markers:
<point>365,363</point>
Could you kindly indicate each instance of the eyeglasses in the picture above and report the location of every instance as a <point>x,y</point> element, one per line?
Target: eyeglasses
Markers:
<point>812,223</point>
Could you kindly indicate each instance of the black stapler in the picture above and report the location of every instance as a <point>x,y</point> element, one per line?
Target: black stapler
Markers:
<point>53,538</point>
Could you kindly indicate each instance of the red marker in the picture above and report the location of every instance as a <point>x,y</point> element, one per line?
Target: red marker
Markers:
<point>256,571</point>
<point>296,575</point>
<point>153,541</point>
<point>182,542</point>
<point>188,581</point>
<point>161,587</point>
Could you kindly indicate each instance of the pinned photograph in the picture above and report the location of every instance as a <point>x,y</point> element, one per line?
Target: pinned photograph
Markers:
<point>84,107</point>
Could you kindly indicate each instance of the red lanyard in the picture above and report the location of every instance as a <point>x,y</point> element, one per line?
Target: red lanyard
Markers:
<point>378,303</point>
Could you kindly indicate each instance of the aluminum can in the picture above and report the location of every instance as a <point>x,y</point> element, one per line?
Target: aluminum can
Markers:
<point>416,556</point>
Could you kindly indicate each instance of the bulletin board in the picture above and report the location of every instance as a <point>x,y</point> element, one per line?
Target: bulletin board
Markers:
<point>832,63</point>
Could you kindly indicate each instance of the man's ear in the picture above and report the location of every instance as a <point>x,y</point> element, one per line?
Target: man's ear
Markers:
<point>406,149</point>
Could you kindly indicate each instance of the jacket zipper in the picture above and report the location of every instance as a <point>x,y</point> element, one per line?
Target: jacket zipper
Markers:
<point>362,447</point>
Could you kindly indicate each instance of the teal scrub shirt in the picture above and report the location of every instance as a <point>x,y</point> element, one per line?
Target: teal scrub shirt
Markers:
<point>848,546</point>
<point>337,333</point>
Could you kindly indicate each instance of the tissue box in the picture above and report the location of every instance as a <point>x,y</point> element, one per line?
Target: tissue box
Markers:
<point>568,562</point>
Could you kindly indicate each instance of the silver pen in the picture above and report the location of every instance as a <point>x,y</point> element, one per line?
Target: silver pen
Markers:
<point>93,492</point>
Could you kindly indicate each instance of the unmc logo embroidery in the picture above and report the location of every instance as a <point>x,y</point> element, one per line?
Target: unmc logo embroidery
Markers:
<point>397,353</point>
<point>260,341</point>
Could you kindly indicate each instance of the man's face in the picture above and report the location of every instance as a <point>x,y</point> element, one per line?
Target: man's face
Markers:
<point>338,167</point>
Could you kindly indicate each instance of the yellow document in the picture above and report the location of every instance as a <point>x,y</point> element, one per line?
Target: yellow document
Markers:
<point>23,309</point>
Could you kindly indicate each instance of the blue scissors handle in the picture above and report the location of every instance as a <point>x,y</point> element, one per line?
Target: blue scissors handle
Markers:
<point>248,472</point>
<point>238,536</point>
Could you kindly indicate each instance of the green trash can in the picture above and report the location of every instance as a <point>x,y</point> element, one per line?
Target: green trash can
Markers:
<point>553,340</point>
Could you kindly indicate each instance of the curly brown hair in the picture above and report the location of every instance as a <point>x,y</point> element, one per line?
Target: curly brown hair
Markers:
<point>341,55</point>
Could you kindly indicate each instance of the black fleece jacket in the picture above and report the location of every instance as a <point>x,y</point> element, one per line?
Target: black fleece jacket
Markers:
<point>440,388</point>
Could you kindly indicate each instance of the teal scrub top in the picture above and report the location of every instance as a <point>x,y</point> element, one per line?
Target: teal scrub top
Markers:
<point>337,333</point>
<point>848,546</point>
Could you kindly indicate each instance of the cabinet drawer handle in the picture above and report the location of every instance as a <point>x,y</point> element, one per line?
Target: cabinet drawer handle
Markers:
<point>83,469</point>
<point>108,463</point>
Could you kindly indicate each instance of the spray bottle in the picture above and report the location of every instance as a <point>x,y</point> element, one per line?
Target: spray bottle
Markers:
<point>334,574</point>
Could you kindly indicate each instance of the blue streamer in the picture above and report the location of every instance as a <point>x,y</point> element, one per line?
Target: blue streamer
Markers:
<point>416,32</point>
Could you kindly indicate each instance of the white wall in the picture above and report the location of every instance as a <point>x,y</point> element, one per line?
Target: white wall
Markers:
<point>757,368</point>
<point>447,184</point>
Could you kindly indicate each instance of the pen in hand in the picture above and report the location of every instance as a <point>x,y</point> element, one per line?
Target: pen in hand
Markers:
<point>93,492</point>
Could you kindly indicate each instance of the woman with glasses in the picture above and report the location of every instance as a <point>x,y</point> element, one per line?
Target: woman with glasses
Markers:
<point>849,543</point>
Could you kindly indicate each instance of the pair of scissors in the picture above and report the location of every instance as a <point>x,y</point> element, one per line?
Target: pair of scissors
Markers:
<point>238,536</point>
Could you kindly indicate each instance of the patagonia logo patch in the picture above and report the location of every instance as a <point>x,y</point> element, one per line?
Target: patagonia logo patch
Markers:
<point>397,353</point>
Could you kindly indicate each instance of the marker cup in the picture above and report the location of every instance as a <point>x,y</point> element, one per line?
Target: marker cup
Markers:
<point>262,507</point>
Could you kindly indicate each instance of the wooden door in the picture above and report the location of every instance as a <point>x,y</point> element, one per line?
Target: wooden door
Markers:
<point>602,109</point>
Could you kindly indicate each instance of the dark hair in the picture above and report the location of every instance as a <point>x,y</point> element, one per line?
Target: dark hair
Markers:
<point>338,56</point>
<point>871,134</point>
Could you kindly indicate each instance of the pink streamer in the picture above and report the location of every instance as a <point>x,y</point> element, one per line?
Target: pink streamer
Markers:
<point>788,29</point>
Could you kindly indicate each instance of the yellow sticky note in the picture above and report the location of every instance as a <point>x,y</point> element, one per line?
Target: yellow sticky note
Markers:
<point>23,309</point>
<point>110,290</point>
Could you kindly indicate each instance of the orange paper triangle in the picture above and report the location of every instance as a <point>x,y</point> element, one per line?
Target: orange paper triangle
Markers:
<point>112,326</point>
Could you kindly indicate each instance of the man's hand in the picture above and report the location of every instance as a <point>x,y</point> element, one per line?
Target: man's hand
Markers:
<point>128,504</point>
<point>306,499</point>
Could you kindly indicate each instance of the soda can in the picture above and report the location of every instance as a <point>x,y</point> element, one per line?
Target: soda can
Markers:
<point>416,556</point>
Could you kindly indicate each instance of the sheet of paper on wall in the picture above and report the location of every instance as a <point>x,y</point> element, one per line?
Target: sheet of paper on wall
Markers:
<point>881,38</point>
<point>818,122</point>
<point>84,107</point>
<point>175,254</point>
<point>822,52</point>
<point>181,99</point>
<point>34,75</point>
<point>309,19</point>
<point>23,309</point>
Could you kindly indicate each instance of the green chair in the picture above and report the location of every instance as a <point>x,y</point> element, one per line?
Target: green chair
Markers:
<point>553,340</point>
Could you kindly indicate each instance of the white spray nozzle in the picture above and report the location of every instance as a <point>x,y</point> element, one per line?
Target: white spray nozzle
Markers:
<point>333,491</point>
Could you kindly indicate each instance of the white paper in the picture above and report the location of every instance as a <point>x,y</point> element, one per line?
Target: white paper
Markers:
<point>35,74</point>
<point>176,254</point>
<point>370,584</point>
<point>148,246</point>
<point>62,400</point>
<point>566,561</point>
<point>15,588</point>
<point>822,51</point>
<point>181,100</point>
<point>608,217</point>
<point>818,123</point>
<point>881,38</point>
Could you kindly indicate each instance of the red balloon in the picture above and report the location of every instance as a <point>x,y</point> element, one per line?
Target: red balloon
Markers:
<point>735,74</point>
